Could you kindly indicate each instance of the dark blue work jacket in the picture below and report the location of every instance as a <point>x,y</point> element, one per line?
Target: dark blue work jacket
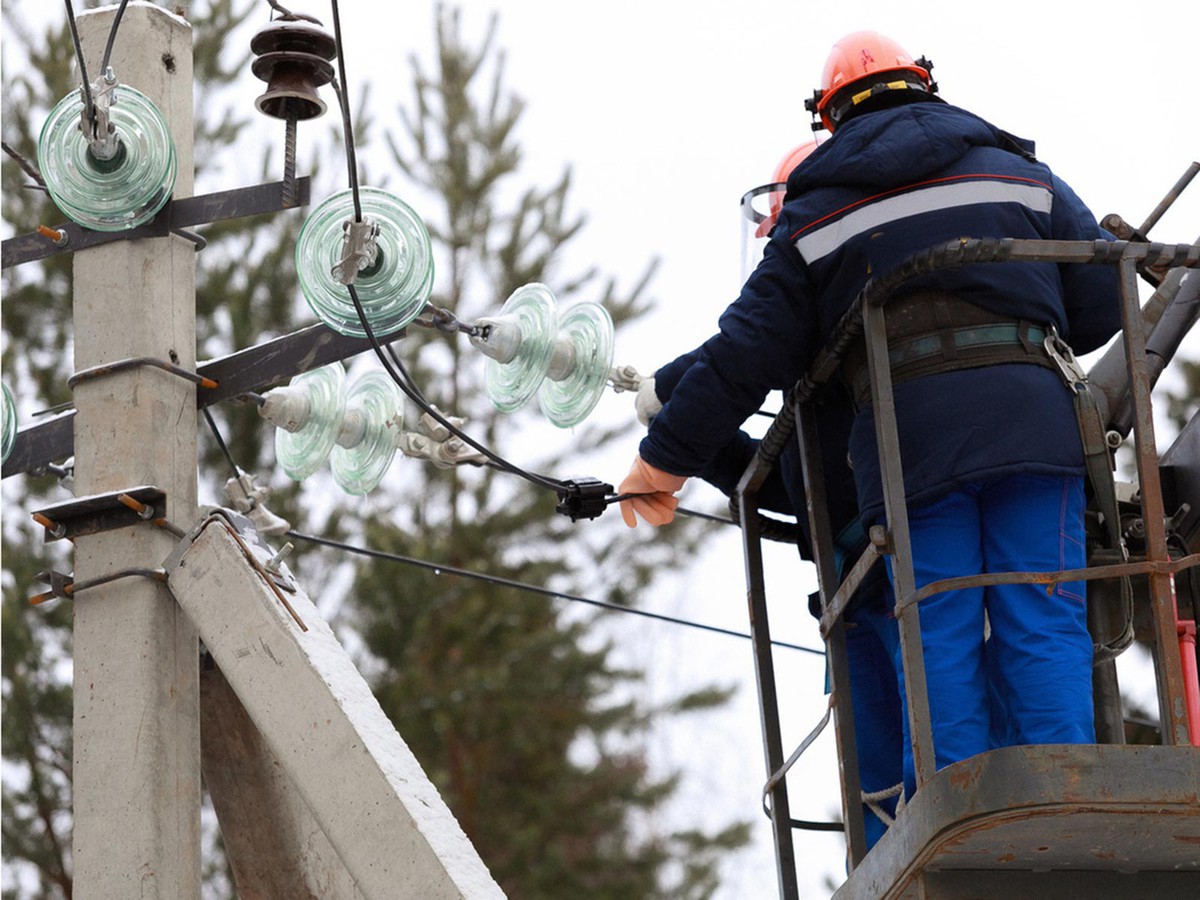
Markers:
<point>887,185</point>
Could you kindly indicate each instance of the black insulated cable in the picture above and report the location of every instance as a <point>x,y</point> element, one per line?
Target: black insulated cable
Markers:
<point>83,73</point>
<point>342,91</point>
<point>112,37</point>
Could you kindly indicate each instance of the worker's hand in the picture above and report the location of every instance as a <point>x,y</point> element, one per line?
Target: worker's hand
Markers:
<point>657,489</point>
<point>647,403</point>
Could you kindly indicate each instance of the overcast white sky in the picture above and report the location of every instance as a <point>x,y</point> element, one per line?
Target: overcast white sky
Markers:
<point>669,111</point>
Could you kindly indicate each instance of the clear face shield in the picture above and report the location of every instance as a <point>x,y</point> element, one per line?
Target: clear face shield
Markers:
<point>760,207</point>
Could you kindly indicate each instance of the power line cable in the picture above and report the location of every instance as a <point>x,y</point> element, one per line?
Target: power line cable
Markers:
<point>392,366</point>
<point>342,91</point>
<point>414,395</point>
<point>112,37</point>
<point>497,580</point>
<point>439,569</point>
<point>83,72</point>
<point>570,492</point>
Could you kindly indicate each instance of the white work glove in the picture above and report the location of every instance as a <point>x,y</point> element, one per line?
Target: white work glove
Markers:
<point>647,403</point>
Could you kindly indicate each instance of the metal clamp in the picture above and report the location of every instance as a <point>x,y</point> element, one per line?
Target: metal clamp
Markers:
<point>96,123</point>
<point>105,512</point>
<point>135,362</point>
<point>66,587</point>
<point>359,250</point>
<point>1061,355</point>
<point>625,378</point>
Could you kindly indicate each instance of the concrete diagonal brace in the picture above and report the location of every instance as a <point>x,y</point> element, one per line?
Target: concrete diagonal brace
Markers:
<point>317,716</point>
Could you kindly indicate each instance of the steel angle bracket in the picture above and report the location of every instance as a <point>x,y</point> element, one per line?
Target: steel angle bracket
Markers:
<point>101,512</point>
<point>317,716</point>
<point>177,214</point>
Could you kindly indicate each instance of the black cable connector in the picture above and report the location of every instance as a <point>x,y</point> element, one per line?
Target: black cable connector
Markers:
<point>583,498</point>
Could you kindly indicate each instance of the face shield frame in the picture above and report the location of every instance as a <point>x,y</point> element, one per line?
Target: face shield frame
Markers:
<point>756,224</point>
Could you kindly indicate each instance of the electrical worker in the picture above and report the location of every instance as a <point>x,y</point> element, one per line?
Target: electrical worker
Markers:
<point>992,457</point>
<point>871,630</point>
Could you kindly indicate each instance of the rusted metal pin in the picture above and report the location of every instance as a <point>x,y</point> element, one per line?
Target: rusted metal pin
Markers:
<point>143,511</point>
<point>56,529</point>
<point>54,235</point>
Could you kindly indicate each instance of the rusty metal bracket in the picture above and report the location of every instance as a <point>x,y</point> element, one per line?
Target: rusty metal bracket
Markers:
<point>267,562</point>
<point>136,362</point>
<point>176,215</point>
<point>103,512</point>
<point>66,587</point>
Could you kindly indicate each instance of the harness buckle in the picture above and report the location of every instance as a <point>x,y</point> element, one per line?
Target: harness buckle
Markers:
<point>1062,356</point>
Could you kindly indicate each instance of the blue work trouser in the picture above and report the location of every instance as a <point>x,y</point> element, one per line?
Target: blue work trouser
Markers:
<point>1038,670</point>
<point>878,713</point>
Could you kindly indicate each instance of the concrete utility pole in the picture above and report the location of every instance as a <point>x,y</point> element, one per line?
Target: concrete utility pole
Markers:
<point>136,679</point>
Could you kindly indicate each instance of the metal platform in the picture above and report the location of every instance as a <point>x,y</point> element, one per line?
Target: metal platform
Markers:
<point>1050,821</point>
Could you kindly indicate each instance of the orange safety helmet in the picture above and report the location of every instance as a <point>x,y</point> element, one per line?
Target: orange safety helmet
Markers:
<point>862,65</point>
<point>776,189</point>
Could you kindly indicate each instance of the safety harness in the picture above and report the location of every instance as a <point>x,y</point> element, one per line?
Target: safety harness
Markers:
<point>930,332</point>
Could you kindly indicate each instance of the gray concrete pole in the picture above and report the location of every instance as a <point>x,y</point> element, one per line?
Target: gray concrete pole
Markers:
<point>136,729</point>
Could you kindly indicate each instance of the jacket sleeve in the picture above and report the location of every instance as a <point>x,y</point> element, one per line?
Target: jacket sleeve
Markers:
<point>725,469</point>
<point>1091,295</point>
<point>766,339</point>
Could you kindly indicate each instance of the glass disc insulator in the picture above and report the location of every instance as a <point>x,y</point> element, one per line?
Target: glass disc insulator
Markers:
<point>392,290</point>
<point>376,399</point>
<point>533,308</point>
<point>300,453</point>
<point>122,193</point>
<point>10,423</point>
<point>588,330</point>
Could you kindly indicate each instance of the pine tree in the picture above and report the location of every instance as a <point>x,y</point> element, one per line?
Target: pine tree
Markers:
<point>494,690</point>
<point>510,699</point>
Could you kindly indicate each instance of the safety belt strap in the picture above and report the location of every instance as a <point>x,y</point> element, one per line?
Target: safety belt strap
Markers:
<point>1100,471</point>
<point>930,332</point>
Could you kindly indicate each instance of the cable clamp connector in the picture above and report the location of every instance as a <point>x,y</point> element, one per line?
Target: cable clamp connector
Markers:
<point>583,498</point>
<point>359,250</point>
<point>250,500</point>
<point>96,123</point>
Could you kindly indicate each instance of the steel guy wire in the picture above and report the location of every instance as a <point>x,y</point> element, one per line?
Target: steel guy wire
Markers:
<point>439,569</point>
<point>26,166</point>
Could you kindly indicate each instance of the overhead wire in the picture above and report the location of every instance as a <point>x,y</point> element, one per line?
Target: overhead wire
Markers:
<point>83,72</point>
<point>351,158</point>
<point>440,569</point>
<point>392,365</point>
<point>112,37</point>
